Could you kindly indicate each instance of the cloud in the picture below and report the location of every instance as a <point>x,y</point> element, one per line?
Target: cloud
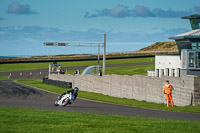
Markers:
<point>28,40</point>
<point>121,11</point>
<point>19,9</point>
<point>158,12</point>
<point>144,37</point>
<point>34,32</point>
<point>41,34</point>
<point>141,11</point>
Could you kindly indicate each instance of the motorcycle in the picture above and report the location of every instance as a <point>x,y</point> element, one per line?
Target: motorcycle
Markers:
<point>67,98</point>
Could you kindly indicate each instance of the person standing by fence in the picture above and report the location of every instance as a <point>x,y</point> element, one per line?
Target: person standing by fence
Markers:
<point>167,90</point>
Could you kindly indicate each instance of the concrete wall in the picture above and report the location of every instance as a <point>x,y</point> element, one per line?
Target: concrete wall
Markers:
<point>197,90</point>
<point>187,88</point>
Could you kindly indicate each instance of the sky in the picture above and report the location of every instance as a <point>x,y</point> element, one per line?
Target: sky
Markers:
<point>129,24</point>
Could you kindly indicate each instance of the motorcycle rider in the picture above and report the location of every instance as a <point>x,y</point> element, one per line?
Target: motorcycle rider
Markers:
<point>74,93</point>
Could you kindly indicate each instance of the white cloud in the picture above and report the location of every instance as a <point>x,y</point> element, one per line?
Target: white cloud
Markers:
<point>41,34</point>
<point>19,9</point>
<point>121,11</point>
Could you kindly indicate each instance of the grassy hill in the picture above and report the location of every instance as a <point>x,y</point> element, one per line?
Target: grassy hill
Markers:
<point>160,48</point>
<point>157,48</point>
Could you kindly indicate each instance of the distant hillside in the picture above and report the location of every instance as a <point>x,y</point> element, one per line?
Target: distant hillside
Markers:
<point>160,48</point>
<point>156,48</point>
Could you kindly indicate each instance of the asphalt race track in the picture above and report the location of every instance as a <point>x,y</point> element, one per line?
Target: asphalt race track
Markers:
<point>16,95</point>
<point>40,73</point>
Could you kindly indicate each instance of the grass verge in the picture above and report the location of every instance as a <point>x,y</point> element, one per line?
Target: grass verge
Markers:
<point>21,120</point>
<point>130,70</point>
<point>125,70</point>
<point>99,97</point>
<point>32,66</point>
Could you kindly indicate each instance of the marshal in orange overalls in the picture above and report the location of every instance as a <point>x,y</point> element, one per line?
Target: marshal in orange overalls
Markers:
<point>167,90</point>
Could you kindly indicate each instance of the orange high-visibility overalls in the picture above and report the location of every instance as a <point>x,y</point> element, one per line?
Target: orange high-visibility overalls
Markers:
<point>167,89</point>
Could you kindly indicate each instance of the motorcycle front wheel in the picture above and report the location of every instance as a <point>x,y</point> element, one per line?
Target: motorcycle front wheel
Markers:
<point>56,103</point>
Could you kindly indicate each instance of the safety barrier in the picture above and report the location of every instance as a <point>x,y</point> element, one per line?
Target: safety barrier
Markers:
<point>58,83</point>
<point>186,88</point>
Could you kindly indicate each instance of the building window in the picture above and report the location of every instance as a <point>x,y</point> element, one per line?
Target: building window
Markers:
<point>198,45</point>
<point>195,23</point>
<point>194,59</point>
<point>195,45</point>
<point>191,59</point>
<point>198,59</point>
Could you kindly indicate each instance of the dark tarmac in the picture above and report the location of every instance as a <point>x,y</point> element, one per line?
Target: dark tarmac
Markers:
<point>41,73</point>
<point>16,95</point>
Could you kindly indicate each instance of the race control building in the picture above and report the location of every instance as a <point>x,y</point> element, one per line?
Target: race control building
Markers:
<point>187,62</point>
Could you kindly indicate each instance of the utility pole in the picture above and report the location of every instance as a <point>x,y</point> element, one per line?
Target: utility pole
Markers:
<point>104,55</point>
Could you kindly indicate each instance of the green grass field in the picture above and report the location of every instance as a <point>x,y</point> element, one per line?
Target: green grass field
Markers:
<point>130,70</point>
<point>21,120</point>
<point>126,70</point>
<point>31,66</point>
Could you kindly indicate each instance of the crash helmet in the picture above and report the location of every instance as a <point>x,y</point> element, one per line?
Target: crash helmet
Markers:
<point>76,90</point>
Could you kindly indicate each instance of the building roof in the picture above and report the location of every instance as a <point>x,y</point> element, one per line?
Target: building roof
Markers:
<point>194,16</point>
<point>192,34</point>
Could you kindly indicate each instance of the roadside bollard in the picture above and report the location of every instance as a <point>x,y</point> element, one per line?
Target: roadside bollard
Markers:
<point>9,76</point>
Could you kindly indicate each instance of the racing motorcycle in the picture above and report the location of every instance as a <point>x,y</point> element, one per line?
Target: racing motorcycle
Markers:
<point>67,98</point>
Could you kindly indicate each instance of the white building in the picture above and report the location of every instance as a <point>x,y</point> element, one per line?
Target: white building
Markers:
<point>188,60</point>
<point>167,65</point>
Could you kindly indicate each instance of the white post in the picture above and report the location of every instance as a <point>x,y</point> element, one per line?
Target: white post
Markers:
<point>104,55</point>
<point>166,72</point>
<point>177,72</point>
<point>98,58</point>
<point>161,72</point>
<point>171,72</point>
<point>49,69</point>
<point>73,81</point>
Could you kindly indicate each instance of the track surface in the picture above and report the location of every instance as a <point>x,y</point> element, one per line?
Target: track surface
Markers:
<point>40,73</point>
<point>17,95</point>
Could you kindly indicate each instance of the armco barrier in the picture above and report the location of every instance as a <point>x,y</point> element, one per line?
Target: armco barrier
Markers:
<point>186,88</point>
<point>58,83</point>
